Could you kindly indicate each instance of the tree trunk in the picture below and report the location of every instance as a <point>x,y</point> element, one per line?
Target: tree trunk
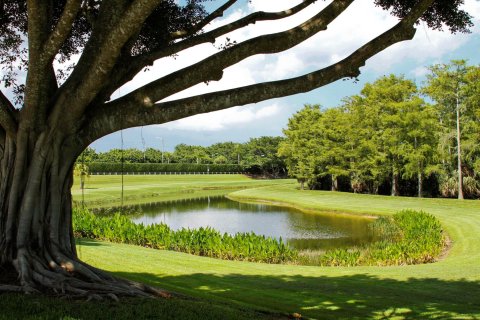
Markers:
<point>334,183</point>
<point>459,153</point>
<point>394,183</point>
<point>36,235</point>
<point>376,186</point>
<point>419,173</point>
<point>420,184</point>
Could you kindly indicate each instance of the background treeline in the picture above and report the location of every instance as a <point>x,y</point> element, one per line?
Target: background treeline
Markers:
<point>258,156</point>
<point>393,138</point>
<point>117,167</point>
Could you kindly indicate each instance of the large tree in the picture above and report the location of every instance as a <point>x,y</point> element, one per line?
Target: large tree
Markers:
<point>59,113</point>
<point>454,88</point>
<point>300,147</point>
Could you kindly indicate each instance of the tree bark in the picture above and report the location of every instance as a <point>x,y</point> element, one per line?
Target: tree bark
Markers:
<point>334,183</point>
<point>394,183</point>
<point>36,234</point>
<point>420,184</point>
<point>459,152</point>
<point>375,187</point>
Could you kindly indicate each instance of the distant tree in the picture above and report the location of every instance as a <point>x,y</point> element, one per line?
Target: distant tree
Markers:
<point>88,155</point>
<point>316,138</point>
<point>113,155</point>
<point>421,142</point>
<point>300,145</point>
<point>385,132</point>
<point>153,155</point>
<point>229,150</point>
<point>332,145</point>
<point>261,153</point>
<point>191,154</point>
<point>82,171</point>
<point>367,159</point>
<point>448,85</point>
<point>394,98</point>
<point>220,160</point>
<point>472,127</point>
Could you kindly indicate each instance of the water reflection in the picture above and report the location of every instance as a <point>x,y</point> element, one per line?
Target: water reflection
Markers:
<point>301,230</point>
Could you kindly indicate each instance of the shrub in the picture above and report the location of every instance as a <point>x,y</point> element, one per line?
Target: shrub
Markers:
<point>408,237</point>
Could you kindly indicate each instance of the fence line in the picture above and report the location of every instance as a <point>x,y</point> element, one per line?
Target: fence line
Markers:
<point>160,173</point>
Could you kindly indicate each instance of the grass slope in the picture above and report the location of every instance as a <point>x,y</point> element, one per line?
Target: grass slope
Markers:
<point>447,289</point>
<point>106,190</point>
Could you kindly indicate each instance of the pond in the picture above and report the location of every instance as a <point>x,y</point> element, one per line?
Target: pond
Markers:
<point>301,230</point>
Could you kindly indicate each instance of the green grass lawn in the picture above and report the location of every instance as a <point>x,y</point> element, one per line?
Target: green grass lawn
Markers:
<point>101,191</point>
<point>446,289</point>
<point>19,306</point>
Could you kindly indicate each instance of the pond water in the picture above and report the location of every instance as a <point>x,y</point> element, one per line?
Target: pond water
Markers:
<point>301,230</point>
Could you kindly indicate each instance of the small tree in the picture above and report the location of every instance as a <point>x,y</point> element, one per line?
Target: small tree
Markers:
<point>82,171</point>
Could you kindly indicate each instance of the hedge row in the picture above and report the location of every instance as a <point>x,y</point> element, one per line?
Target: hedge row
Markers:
<point>110,167</point>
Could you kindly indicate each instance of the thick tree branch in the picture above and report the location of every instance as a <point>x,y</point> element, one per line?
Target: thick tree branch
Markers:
<point>214,15</point>
<point>126,70</point>
<point>62,29</point>
<point>38,17</point>
<point>8,119</point>
<point>85,84</point>
<point>39,14</point>
<point>210,36</point>
<point>212,67</point>
<point>115,117</point>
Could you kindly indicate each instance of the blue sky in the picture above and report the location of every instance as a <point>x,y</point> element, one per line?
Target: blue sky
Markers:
<point>361,22</point>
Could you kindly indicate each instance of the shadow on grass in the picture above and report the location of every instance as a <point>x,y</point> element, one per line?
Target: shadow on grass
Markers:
<point>35,307</point>
<point>346,297</point>
<point>88,242</point>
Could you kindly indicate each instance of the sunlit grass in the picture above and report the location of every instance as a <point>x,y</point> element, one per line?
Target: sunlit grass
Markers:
<point>106,190</point>
<point>445,289</point>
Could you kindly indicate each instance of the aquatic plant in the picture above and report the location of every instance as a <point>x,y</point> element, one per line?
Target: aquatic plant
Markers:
<point>203,241</point>
<point>407,237</point>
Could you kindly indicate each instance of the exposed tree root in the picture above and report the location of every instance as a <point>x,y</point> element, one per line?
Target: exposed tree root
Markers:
<point>10,288</point>
<point>75,279</point>
<point>75,288</point>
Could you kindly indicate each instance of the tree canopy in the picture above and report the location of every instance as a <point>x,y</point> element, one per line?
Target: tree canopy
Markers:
<point>388,136</point>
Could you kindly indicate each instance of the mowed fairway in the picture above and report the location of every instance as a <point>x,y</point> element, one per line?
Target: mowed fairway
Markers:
<point>446,289</point>
<point>105,190</point>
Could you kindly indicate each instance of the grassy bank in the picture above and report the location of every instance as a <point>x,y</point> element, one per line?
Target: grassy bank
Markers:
<point>105,190</point>
<point>446,289</point>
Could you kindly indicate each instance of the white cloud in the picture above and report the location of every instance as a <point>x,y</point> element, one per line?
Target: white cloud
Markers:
<point>283,66</point>
<point>272,6</point>
<point>220,120</point>
<point>420,71</point>
<point>427,45</point>
<point>360,23</point>
<point>233,77</point>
